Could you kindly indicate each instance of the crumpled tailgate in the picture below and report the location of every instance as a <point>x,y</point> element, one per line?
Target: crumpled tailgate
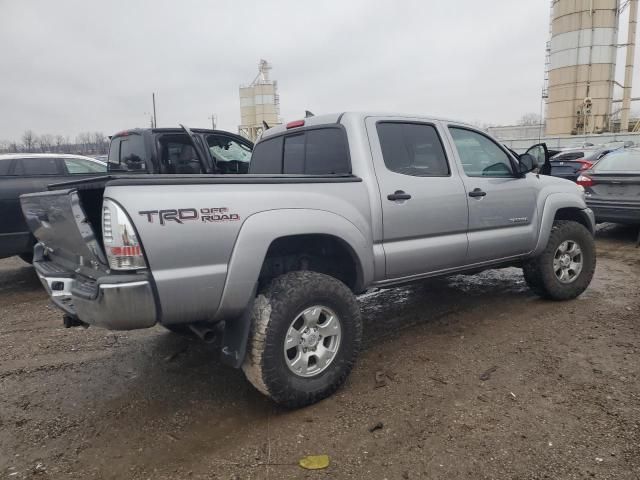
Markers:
<point>58,221</point>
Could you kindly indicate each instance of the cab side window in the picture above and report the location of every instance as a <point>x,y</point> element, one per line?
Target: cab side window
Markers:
<point>480,156</point>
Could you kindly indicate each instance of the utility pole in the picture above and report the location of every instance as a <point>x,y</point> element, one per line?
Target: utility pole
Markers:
<point>628,70</point>
<point>213,119</point>
<point>155,118</point>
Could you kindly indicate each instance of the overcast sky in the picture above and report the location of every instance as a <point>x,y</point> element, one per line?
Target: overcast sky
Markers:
<point>75,65</point>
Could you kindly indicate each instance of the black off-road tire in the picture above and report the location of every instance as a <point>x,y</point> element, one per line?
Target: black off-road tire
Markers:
<point>275,308</point>
<point>539,274</point>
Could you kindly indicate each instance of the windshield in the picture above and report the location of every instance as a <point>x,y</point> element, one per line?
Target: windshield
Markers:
<point>620,161</point>
<point>230,155</point>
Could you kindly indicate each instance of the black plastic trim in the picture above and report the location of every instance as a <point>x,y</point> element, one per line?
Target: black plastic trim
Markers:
<point>229,179</point>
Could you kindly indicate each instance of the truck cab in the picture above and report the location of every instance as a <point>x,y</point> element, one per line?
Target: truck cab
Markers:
<point>178,151</point>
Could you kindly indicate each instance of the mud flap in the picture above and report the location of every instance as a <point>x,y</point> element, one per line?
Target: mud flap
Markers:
<point>236,335</point>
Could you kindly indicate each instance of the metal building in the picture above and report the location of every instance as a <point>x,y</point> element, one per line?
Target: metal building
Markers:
<point>259,104</point>
<point>582,58</point>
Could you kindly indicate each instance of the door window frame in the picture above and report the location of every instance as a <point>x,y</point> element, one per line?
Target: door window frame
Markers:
<point>512,161</point>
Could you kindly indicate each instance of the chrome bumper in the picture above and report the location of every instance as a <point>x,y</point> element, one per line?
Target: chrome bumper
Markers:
<point>111,302</point>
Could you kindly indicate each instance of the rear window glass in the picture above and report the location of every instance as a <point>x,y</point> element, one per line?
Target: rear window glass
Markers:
<point>127,153</point>
<point>326,152</point>
<point>321,151</point>
<point>36,166</point>
<point>267,157</point>
<point>4,166</point>
<point>567,157</point>
<point>293,162</point>
<point>625,161</point>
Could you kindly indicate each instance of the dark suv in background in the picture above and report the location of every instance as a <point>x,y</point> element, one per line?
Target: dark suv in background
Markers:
<point>570,163</point>
<point>33,172</point>
<point>179,151</point>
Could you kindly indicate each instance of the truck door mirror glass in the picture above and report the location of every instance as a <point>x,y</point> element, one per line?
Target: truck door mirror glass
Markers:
<point>528,163</point>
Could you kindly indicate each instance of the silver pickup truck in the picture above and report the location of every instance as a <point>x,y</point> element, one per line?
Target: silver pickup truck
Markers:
<point>333,205</point>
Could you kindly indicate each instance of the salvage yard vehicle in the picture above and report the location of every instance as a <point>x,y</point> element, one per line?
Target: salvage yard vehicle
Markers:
<point>179,151</point>
<point>32,172</point>
<point>612,187</point>
<point>333,205</point>
<point>571,163</point>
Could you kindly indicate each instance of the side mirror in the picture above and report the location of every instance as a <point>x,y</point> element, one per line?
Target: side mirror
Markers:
<point>528,163</point>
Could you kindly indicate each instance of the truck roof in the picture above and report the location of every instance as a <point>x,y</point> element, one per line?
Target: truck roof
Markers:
<point>130,131</point>
<point>9,156</point>
<point>338,117</point>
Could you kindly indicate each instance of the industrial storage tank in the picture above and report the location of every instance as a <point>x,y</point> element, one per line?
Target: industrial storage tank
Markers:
<point>259,104</point>
<point>582,58</point>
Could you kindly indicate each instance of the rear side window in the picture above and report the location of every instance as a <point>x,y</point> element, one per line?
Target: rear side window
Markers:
<point>36,166</point>
<point>4,166</point>
<point>412,149</point>
<point>321,151</point>
<point>567,157</point>
<point>79,166</point>
<point>127,153</point>
<point>267,157</point>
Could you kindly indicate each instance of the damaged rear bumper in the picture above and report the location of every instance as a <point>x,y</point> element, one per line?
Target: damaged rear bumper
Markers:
<point>115,302</point>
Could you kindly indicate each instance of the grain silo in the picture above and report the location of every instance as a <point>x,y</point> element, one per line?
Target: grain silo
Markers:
<point>259,103</point>
<point>582,59</point>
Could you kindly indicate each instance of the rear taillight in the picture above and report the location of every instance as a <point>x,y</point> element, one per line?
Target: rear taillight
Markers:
<point>120,239</point>
<point>585,181</point>
<point>585,165</point>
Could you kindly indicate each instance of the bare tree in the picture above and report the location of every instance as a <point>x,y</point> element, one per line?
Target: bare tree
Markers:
<point>99,142</point>
<point>45,141</point>
<point>83,141</point>
<point>530,119</point>
<point>28,140</point>
<point>59,141</point>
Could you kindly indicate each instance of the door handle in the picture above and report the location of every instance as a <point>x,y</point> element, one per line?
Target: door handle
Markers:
<point>398,195</point>
<point>477,192</point>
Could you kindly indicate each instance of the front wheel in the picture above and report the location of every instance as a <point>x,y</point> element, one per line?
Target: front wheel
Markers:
<point>305,337</point>
<point>566,266</point>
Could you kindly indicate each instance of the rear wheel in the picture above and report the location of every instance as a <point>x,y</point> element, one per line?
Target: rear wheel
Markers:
<point>305,337</point>
<point>566,266</point>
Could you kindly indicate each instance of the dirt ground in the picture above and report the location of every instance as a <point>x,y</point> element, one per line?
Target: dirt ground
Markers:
<point>559,398</point>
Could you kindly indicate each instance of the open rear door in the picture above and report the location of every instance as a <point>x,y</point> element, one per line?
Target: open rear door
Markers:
<point>204,162</point>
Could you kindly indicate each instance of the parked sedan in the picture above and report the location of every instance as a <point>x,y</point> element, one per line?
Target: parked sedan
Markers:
<point>612,187</point>
<point>571,163</point>
<point>26,173</point>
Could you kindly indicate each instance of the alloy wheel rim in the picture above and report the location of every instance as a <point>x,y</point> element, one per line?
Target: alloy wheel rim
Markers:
<point>312,341</point>
<point>568,261</point>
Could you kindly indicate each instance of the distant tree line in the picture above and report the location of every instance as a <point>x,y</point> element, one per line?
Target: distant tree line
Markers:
<point>86,143</point>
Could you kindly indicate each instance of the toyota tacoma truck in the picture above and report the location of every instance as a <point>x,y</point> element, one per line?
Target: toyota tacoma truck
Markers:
<point>272,260</point>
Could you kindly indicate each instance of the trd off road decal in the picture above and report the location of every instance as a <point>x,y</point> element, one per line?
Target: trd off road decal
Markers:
<point>181,215</point>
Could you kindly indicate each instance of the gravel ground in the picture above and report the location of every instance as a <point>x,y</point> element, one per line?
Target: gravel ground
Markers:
<point>481,380</point>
